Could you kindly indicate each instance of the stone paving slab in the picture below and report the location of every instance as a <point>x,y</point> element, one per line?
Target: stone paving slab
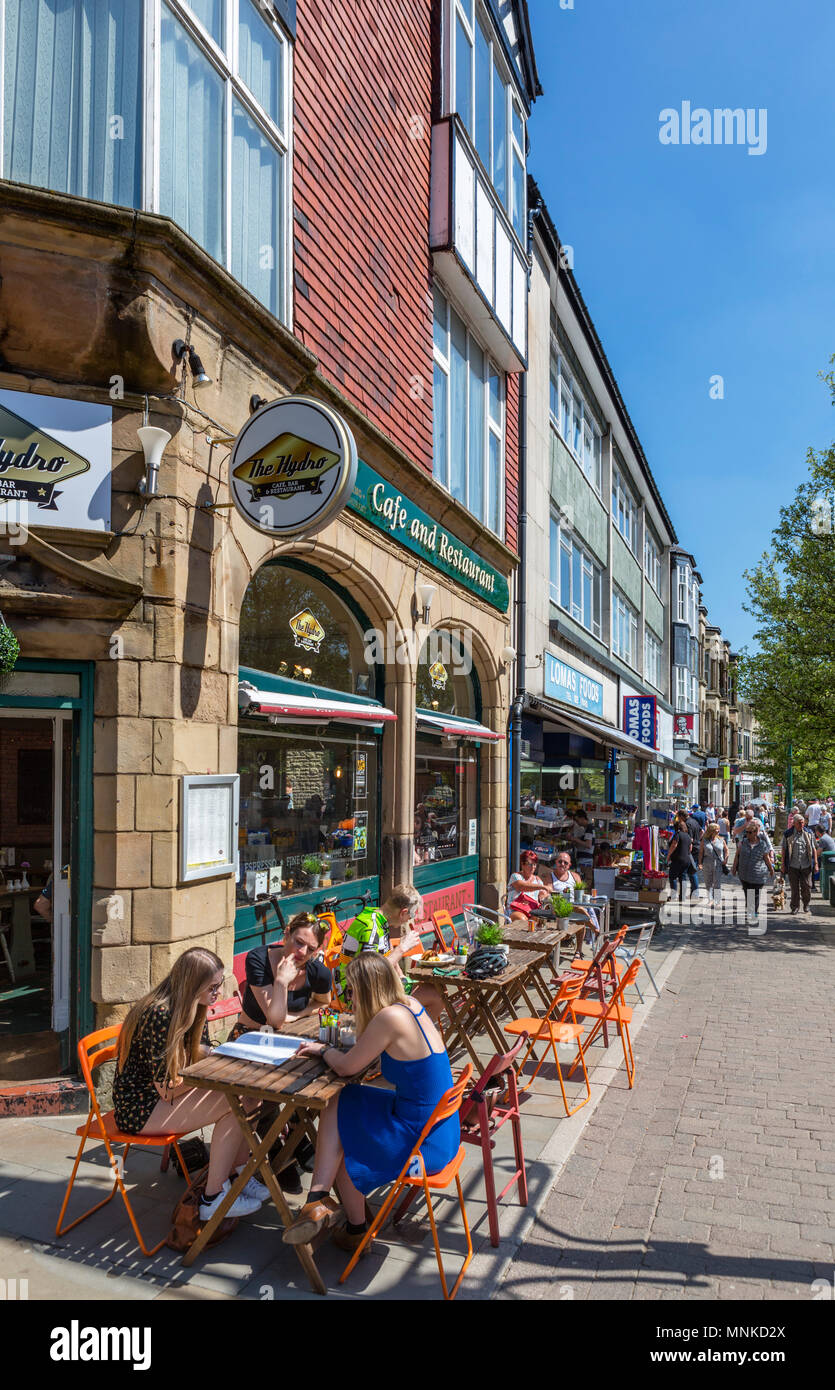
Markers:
<point>715,1178</point>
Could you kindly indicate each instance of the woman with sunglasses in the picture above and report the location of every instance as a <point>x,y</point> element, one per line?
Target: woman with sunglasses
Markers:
<point>287,979</point>
<point>525,891</point>
<point>165,1032</point>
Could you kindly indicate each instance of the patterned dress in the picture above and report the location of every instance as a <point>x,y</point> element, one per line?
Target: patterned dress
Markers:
<point>134,1091</point>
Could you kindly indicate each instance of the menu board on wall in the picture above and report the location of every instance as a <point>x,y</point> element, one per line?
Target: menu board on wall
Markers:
<point>209,826</point>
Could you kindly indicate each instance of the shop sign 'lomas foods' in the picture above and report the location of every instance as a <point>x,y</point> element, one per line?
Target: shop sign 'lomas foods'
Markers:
<point>32,463</point>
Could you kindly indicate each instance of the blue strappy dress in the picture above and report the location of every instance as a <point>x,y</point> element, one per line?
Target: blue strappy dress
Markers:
<point>378,1128</point>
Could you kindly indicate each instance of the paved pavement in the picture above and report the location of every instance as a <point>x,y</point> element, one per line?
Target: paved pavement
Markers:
<point>100,1258</point>
<point>715,1177</point>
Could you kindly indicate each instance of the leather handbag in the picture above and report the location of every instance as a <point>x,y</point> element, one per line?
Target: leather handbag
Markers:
<point>185,1219</point>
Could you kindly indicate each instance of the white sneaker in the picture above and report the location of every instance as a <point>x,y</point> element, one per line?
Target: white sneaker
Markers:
<point>257,1189</point>
<point>242,1205</point>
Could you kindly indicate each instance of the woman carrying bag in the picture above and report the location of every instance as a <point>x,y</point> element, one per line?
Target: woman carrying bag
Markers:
<point>713,857</point>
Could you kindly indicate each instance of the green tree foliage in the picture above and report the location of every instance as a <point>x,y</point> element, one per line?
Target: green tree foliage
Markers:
<point>790,676</point>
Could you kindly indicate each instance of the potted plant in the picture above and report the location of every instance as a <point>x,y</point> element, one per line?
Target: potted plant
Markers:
<point>9,651</point>
<point>349,871</point>
<point>312,866</point>
<point>491,934</point>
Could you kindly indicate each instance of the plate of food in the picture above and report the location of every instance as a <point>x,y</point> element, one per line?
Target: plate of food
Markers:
<point>437,958</point>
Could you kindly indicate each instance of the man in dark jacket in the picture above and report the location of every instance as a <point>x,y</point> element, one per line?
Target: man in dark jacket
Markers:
<point>800,859</point>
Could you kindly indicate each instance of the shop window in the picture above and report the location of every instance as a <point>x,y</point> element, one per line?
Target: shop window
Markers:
<point>446,815</point>
<point>446,769</point>
<point>293,625</point>
<point>76,78</point>
<point>305,801</point>
<point>444,680</point>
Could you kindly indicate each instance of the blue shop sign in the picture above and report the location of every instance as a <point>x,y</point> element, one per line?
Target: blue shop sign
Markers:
<point>640,719</point>
<point>562,682</point>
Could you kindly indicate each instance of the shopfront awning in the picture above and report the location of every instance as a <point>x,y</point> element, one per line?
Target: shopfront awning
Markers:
<point>285,708</point>
<point>455,726</point>
<point>588,727</point>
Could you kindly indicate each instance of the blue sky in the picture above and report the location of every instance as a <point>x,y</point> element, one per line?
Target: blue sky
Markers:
<point>701,260</point>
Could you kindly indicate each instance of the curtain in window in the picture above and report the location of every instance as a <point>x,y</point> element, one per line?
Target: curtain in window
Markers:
<point>73,74</point>
<point>477,404</point>
<point>260,59</point>
<point>256,211</point>
<point>210,14</point>
<point>192,139</point>
<point>458,408</point>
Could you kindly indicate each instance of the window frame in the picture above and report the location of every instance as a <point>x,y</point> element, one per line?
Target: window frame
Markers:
<point>652,559</point>
<point>567,392</point>
<point>652,638</point>
<point>225,63</point>
<point>563,539</point>
<point>623,502</point>
<point>490,427</point>
<point>623,612</point>
<point>471,15</point>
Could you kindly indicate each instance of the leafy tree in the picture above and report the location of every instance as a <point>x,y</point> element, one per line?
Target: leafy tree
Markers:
<point>790,676</point>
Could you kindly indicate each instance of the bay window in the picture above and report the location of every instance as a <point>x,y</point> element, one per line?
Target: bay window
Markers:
<point>575,579</point>
<point>468,418</point>
<point>483,98</point>
<point>624,629</point>
<point>210,151</point>
<point>574,421</point>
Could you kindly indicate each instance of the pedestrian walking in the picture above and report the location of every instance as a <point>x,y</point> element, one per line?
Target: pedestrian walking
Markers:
<point>713,855</point>
<point>800,858</point>
<point>680,857</point>
<point>724,825</point>
<point>753,865</point>
<point>813,812</point>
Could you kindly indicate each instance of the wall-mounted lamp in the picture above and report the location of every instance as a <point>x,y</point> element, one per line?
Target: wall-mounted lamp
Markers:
<point>508,655</point>
<point>255,403</point>
<point>424,598</point>
<point>153,441</point>
<point>182,349</point>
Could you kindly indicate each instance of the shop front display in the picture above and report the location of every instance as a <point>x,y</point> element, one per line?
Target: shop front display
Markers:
<point>447,775</point>
<point>309,740</point>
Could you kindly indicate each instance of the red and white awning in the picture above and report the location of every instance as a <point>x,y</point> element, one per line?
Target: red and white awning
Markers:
<point>455,727</point>
<point>306,709</point>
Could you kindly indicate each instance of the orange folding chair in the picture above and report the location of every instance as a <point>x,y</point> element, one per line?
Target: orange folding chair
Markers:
<point>413,1182</point>
<point>612,1010</point>
<point>442,922</point>
<point>558,1025</point>
<point>94,1051</point>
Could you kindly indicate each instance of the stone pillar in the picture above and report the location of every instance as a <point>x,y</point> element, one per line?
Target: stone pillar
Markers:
<point>398,780</point>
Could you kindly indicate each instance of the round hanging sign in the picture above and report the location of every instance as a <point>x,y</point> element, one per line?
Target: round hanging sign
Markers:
<point>292,467</point>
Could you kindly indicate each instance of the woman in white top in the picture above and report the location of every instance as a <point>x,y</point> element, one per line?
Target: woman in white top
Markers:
<point>525,890</point>
<point>713,855</point>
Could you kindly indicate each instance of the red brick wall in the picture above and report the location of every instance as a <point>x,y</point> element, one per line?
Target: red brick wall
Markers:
<point>362,275</point>
<point>512,462</point>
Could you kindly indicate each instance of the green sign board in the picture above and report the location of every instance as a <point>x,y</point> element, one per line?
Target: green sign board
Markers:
<point>387,509</point>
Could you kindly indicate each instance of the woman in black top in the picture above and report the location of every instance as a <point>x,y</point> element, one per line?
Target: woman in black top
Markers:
<point>287,979</point>
<point>162,1035</point>
<point>679,851</point>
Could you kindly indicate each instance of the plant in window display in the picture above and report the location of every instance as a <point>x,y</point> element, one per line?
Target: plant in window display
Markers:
<point>312,866</point>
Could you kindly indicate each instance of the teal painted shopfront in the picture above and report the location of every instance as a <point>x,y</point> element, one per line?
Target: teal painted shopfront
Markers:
<point>46,862</point>
<point>313,719</point>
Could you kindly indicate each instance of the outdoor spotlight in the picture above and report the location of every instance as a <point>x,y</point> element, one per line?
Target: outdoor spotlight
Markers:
<point>183,349</point>
<point>425,594</point>
<point>153,443</point>
<point>255,403</point>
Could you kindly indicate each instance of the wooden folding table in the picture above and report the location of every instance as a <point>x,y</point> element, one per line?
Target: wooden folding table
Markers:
<point>485,1000</point>
<point>300,1087</point>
